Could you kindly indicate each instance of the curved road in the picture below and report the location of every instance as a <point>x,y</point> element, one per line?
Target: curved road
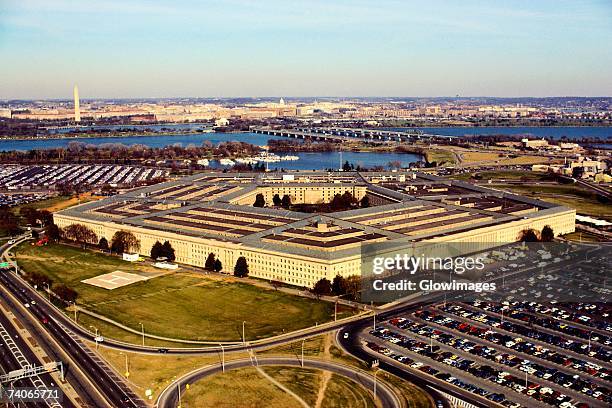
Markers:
<point>169,397</point>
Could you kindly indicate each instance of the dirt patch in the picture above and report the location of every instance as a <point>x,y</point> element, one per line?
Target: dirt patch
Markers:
<point>326,375</point>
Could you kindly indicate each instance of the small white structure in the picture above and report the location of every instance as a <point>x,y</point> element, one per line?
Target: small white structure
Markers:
<point>165,265</point>
<point>221,122</point>
<point>130,257</point>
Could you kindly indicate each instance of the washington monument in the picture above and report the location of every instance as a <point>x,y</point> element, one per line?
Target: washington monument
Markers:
<point>77,108</point>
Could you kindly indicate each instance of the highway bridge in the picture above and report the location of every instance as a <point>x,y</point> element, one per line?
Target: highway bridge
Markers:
<point>345,134</point>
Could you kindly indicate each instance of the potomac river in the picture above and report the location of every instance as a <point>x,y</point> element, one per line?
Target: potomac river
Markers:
<point>307,161</point>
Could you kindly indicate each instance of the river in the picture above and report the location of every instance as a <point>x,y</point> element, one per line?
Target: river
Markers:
<point>308,161</point>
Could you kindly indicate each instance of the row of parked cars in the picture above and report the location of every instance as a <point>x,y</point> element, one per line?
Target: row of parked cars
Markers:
<point>561,371</point>
<point>591,344</point>
<point>15,177</point>
<point>434,353</point>
<point>12,200</point>
<point>583,317</point>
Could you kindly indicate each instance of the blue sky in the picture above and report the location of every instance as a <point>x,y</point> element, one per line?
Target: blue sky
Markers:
<point>159,48</point>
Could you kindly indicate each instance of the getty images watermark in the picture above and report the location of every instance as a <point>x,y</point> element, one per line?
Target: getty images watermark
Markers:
<point>405,264</point>
<point>496,272</point>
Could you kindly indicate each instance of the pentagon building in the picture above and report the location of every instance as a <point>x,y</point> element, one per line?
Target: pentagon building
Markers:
<point>212,212</point>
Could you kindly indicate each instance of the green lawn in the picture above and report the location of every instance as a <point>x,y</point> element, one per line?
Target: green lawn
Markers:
<point>440,157</point>
<point>250,389</point>
<point>178,305</point>
<point>503,175</point>
<point>584,201</point>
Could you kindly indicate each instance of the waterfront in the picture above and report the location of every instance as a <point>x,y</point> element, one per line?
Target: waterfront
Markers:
<point>307,161</point>
<point>553,132</point>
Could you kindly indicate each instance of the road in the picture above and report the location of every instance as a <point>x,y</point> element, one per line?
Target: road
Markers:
<point>169,397</point>
<point>11,359</point>
<point>115,391</point>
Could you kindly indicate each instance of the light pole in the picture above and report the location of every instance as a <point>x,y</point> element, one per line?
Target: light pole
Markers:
<point>48,290</point>
<point>95,338</point>
<point>222,357</point>
<point>375,372</point>
<point>590,334</point>
<point>142,331</point>
<point>178,386</point>
<point>243,338</point>
<point>303,352</point>
<point>374,316</point>
<point>75,311</point>
<point>127,364</point>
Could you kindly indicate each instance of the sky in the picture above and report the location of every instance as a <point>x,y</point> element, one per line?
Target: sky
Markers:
<point>242,48</point>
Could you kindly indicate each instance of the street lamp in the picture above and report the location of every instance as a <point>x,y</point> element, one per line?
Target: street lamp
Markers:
<point>142,331</point>
<point>95,338</point>
<point>222,357</point>
<point>48,290</point>
<point>127,364</point>
<point>75,311</point>
<point>243,338</point>
<point>375,372</point>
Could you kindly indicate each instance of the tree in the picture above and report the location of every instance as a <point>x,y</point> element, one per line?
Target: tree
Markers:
<point>286,201</point>
<point>210,262</point>
<point>277,200</point>
<point>322,287</point>
<point>241,269</point>
<point>53,232</point>
<point>365,202</point>
<point>80,234</point>
<point>218,265</point>
<point>65,293</point>
<point>157,250</point>
<point>259,201</point>
<point>168,251</point>
<point>338,286</point>
<point>353,286</point>
<point>103,244</point>
<point>528,235</point>
<point>347,166</point>
<point>547,235</point>
<point>124,241</point>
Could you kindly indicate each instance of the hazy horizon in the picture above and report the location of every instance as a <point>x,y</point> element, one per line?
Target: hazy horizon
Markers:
<point>137,49</point>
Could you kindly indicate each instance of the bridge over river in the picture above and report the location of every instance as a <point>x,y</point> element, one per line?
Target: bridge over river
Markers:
<point>346,134</point>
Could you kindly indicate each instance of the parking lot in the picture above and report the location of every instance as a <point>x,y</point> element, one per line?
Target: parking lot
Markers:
<point>508,353</point>
<point>14,199</point>
<point>17,177</point>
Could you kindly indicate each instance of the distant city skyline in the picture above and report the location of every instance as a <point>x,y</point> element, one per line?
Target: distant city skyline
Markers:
<point>337,48</point>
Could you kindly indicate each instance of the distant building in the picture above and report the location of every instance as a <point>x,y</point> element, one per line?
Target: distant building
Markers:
<point>534,144</point>
<point>221,122</point>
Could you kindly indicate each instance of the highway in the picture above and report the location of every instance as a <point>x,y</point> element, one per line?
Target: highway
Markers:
<point>169,397</point>
<point>11,359</point>
<point>115,391</point>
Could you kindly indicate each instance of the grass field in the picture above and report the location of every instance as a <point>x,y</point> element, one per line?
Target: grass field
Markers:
<point>238,389</point>
<point>441,157</point>
<point>584,201</point>
<point>61,202</point>
<point>250,389</point>
<point>583,236</point>
<point>177,305</point>
<point>503,175</point>
<point>499,158</point>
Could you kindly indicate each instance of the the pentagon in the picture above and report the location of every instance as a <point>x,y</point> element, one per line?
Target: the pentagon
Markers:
<point>207,213</point>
